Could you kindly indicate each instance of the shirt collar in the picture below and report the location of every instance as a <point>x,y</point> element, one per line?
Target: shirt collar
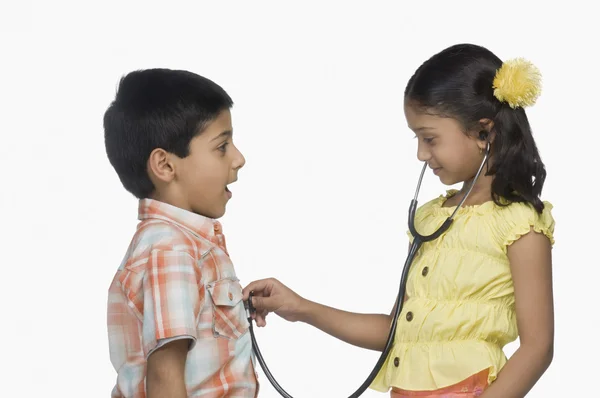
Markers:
<point>199,225</point>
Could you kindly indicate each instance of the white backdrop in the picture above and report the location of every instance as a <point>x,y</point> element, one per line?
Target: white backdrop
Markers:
<point>331,167</point>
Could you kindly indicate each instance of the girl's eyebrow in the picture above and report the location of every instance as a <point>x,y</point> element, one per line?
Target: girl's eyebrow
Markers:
<point>422,128</point>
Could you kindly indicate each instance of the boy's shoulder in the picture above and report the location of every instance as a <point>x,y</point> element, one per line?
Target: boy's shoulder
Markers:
<point>163,235</point>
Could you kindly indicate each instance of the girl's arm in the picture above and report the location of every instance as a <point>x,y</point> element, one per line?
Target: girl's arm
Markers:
<point>368,331</point>
<point>531,267</point>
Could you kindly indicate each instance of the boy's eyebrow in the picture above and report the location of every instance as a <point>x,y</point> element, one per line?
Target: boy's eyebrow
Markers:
<point>226,133</point>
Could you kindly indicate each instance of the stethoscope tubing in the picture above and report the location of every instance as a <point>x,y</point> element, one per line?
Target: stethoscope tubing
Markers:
<point>418,240</point>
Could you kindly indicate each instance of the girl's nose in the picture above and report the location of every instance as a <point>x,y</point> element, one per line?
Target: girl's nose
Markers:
<point>423,153</point>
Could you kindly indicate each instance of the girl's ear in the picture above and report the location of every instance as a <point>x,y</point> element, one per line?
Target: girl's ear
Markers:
<point>487,132</point>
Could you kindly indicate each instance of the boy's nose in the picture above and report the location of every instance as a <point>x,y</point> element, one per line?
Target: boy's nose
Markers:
<point>239,161</point>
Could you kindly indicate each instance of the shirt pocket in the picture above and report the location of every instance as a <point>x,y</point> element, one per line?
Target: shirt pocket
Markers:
<point>229,314</point>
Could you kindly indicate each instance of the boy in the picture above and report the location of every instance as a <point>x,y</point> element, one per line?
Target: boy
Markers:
<point>176,322</point>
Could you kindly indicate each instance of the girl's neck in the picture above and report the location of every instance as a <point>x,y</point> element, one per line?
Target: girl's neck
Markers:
<point>481,192</point>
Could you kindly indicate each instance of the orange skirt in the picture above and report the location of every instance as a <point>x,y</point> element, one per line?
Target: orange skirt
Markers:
<point>469,388</point>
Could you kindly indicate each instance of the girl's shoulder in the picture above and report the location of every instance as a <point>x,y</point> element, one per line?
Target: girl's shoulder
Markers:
<point>517,219</point>
<point>506,221</point>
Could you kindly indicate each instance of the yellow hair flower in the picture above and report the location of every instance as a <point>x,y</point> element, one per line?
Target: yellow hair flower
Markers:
<point>518,82</point>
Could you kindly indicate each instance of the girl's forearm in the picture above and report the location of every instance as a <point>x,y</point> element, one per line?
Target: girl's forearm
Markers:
<point>368,331</point>
<point>520,373</point>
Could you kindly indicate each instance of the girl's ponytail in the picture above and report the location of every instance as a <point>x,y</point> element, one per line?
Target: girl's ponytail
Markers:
<point>518,170</point>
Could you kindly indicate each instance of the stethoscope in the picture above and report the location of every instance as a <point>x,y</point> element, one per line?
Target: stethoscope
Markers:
<point>418,240</point>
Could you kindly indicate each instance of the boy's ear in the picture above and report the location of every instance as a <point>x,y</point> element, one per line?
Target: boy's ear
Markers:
<point>161,166</point>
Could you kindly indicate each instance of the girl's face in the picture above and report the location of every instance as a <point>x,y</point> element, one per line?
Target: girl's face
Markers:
<point>452,155</point>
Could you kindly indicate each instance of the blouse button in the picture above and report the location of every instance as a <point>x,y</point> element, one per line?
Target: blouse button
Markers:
<point>425,271</point>
<point>409,316</point>
<point>230,296</point>
<point>396,362</point>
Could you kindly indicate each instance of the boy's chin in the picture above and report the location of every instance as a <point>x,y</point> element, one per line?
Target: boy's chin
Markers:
<point>213,213</point>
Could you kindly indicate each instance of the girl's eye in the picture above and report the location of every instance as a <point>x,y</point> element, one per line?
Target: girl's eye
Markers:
<point>223,147</point>
<point>425,140</point>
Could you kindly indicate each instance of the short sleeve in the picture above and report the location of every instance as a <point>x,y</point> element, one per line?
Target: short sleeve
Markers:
<point>520,219</point>
<point>173,298</point>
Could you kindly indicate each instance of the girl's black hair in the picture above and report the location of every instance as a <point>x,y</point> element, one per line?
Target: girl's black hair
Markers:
<point>457,82</point>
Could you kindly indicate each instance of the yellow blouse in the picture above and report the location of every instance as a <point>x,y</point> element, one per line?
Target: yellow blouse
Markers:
<point>460,308</point>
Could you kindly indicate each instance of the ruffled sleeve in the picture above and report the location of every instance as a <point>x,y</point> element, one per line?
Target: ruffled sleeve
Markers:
<point>519,219</point>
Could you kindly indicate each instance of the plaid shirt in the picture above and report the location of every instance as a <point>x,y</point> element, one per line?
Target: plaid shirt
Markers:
<point>177,281</point>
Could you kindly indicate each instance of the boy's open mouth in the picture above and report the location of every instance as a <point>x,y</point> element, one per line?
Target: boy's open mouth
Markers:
<point>227,191</point>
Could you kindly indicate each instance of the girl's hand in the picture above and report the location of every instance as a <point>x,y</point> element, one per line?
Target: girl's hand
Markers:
<point>270,295</point>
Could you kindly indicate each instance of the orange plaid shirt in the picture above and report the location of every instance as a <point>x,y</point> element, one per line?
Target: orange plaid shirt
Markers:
<point>178,282</point>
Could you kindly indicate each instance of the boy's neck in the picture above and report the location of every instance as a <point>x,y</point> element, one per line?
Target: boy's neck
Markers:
<point>170,199</point>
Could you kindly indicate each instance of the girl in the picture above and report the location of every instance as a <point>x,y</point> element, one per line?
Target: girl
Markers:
<point>487,280</point>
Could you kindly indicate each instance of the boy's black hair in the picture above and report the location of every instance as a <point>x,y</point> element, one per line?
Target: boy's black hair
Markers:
<point>457,82</point>
<point>157,108</point>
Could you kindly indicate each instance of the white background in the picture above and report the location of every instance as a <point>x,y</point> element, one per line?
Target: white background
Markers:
<point>331,167</point>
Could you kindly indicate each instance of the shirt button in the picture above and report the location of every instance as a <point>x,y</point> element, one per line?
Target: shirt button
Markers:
<point>425,271</point>
<point>230,296</point>
<point>409,316</point>
<point>396,362</point>
<point>217,227</point>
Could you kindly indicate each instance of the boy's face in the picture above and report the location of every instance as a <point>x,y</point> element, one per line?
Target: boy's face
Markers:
<point>202,177</point>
